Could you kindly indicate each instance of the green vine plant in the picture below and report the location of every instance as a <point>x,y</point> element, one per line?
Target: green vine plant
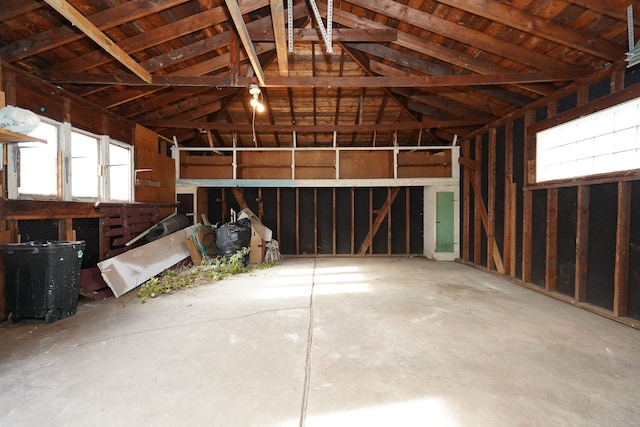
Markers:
<point>193,275</point>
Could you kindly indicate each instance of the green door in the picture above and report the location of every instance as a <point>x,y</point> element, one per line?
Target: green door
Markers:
<point>444,222</point>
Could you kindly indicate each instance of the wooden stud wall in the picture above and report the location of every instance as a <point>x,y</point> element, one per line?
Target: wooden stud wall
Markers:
<point>332,221</point>
<point>543,206</point>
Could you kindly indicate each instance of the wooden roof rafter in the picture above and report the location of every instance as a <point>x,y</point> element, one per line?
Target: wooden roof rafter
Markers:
<point>91,31</point>
<point>236,16</point>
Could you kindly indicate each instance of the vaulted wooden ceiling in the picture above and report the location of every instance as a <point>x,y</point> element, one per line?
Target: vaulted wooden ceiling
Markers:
<point>406,72</point>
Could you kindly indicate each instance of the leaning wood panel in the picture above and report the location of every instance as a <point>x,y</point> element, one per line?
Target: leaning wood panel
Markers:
<point>621,274</point>
<point>146,139</point>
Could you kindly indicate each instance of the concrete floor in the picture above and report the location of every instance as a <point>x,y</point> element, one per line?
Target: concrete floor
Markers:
<point>326,342</point>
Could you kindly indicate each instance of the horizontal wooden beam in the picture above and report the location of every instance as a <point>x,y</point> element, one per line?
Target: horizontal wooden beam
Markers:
<point>338,35</point>
<point>61,77</point>
<point>381,127</point>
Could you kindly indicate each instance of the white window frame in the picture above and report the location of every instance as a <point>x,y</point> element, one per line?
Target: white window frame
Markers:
<point>107,170</point>
<point>64,166</point>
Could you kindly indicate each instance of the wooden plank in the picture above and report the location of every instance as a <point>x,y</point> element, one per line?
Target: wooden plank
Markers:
<point>491,202</point>
<point>375,224</point>
<point>621,272</point>
<point>79,20</point>
<point>467,35</point>
<point>239,196</point>
<point>280,37</point>
<point>481,210</point>
<point>236,16</point>
<point>582,243</point>
<point>551,240</point>
<point>541,27</point>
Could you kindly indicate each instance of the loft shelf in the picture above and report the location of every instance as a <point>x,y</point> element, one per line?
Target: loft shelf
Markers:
<point>9,137</point>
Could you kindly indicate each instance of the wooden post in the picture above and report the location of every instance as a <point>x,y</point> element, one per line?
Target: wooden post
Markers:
<point>491,202</point>
<point>508,242</point>
<point>621,275</point>
<point>477,218</point>
<point>527,208</point>
<point>315,220</point>
<point>297,221</point>
<point>389,223</point>
<point>552,239</point>
<point>353,221</point>
<point>466,200</point>
<point>407,201</point>
<point>334,231</point>
<point>370,221</point>
<point>278,214</point>
<point>582,243</point>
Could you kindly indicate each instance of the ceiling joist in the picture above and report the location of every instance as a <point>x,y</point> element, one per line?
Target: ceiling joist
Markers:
<point>327,82</point>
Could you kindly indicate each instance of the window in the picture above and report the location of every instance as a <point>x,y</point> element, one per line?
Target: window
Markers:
<point>119,172</point>
<point>37,163</point>
<point>603,142</point>
<point>83,166</point>
<point>73,165</point>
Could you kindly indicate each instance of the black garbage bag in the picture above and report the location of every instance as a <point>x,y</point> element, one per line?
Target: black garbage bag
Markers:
<point>232,237</point>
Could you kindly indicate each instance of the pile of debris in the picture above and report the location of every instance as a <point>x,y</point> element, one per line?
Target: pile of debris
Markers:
<point>173,242</point>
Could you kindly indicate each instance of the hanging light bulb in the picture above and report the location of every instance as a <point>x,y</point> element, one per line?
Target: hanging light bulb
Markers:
<point>255,103</point>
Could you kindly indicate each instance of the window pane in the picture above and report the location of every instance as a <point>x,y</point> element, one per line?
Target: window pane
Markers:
<point>38,168</point>
<point>119,173</point>
<point>84,165</point>
<point>603,142</point>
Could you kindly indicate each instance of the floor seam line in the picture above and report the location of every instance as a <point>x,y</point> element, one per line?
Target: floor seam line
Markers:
<point>307,368</point>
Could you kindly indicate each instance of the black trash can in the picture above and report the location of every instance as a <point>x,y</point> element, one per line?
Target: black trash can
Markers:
<point>42,279</point>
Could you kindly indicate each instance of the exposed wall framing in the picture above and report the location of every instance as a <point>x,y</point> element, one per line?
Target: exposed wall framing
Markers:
<point>575,240</point>
<point>332,220</point>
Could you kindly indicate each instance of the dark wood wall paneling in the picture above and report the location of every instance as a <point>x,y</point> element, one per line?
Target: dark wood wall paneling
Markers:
<point>50,101</point>
<point>330,221</point>
<point>571,239</point>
